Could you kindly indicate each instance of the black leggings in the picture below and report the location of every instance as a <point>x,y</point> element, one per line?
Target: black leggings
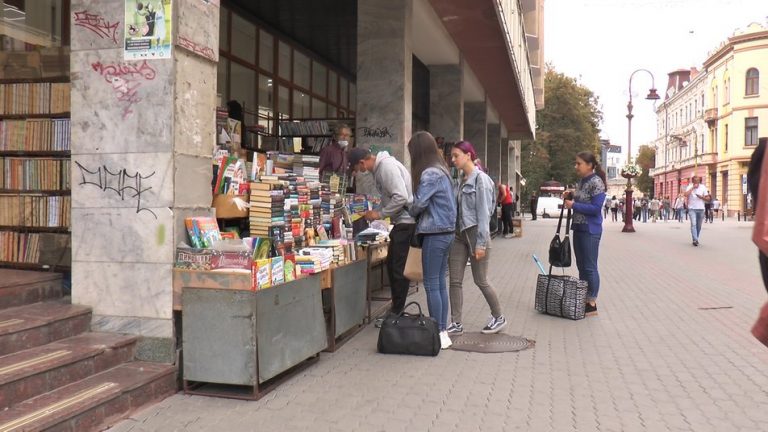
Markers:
<point>764,269</point>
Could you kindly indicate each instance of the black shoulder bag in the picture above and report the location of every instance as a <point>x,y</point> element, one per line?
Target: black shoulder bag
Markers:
<point>560,250</point>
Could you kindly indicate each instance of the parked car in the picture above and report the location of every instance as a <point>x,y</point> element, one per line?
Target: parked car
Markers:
<point>548,207</point>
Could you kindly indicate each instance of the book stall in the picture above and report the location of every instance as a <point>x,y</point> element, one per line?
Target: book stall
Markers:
<point>275,277</point>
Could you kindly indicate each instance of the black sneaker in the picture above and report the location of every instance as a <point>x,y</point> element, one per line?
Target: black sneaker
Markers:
<point>590,309</point>
<point>495,325</point>
<point>455,329</point>
<point>695,242</point>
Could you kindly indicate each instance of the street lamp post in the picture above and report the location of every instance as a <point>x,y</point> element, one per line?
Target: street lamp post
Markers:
<point>652,95</point>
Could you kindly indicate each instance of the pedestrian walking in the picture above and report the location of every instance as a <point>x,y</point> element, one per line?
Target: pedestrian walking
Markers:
<point>654,207</point>
<point>614,209</point>
<point>679,206</point>
<point>474,197</point>
<point>606,208</point>
<point>716,207</point>
<point>638,209</point>
<point>435,210</point>
<point>587,223</point>
<point>393,182</point>
<point>644,208</point>
<point>666,206</point>
<point>697,194</point>
<point>506,198</point>
<point>534,201</point>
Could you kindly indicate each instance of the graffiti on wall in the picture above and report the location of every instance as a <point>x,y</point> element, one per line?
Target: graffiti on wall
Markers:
<point>125,185</point>
<point>376,132</point>
<point>126,79</point>
<point>97,24</point>
<point>196,48</point>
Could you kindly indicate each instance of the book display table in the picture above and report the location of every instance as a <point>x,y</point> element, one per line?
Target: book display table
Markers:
<point>346,299</point>
<point>241,343</point>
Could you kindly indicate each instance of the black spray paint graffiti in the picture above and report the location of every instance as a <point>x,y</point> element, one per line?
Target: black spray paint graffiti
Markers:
<point>123,184</point>
<point>381,132</point>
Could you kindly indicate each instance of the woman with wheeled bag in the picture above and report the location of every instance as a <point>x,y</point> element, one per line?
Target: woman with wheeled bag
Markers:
<point>587,225</point>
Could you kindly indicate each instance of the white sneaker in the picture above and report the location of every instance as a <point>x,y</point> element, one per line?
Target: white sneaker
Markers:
<point>507,236</point>
<point>445,340</point>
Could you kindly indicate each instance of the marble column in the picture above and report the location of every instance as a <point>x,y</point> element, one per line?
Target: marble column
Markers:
<point>142,137</point>
<point>493,158</point>
<point>446,104</point>
<point>476,127</point>
<point>384,76</point>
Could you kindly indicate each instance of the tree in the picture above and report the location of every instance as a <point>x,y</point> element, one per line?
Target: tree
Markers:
<point>646,159</point>
<point>566,125</point>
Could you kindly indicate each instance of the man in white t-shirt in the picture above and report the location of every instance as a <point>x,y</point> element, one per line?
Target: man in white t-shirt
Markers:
<point>697,194</point>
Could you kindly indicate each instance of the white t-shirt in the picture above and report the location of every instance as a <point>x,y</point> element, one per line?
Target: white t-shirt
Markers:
<point>695,202</point>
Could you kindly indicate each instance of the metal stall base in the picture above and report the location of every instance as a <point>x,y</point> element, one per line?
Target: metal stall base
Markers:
<point>347,300</point>
<point>242,344</point>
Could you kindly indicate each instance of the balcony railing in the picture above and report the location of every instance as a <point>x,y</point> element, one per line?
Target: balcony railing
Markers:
<point>710,115</point>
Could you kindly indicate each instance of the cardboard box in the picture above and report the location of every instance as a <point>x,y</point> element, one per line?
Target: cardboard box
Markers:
<point>226,207</point>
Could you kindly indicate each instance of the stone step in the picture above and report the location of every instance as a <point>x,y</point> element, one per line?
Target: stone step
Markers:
<point>94,403</point>
<point>38,370</point>
<point>37,324</point>
<point>20,287</point>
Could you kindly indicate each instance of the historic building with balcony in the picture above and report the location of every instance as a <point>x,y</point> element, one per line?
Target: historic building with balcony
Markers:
<point>710,121</point>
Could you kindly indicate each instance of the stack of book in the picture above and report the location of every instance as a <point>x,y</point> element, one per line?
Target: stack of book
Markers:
<point>267,210</point>
<point>314,200</point>
<point>307,127</point>
<point>34,174</point>
<point>35,135</point>
<point>337,248</point>
<point>202,231</point>
<point>35,210</point>
<point>307,166</point>
<point>19,247</point>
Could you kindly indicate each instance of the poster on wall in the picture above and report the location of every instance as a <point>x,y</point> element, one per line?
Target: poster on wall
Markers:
<point>147,29</point>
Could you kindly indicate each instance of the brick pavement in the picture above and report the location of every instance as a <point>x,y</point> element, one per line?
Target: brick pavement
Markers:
<point>652,361</point>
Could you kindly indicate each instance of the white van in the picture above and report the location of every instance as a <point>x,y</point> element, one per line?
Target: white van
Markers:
<point>548,207</point>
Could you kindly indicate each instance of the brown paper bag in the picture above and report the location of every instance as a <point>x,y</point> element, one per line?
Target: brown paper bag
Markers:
<point>413,268</point>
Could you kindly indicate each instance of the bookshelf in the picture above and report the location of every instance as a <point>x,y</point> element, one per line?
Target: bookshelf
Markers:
<point>310,135</point>
<point>35,192</point>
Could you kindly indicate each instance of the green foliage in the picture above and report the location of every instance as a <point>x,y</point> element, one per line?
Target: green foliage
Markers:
<point>568,124</point>
<point>646,158</point>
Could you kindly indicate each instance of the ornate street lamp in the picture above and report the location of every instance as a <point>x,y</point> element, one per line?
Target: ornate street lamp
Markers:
<point>652,95</point>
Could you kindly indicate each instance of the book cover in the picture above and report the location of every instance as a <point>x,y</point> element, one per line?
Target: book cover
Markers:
<point>263,273</point>
<point>278,271</point>
<point>289,267</point>
<point>208,230</point>
<point>261,248</point>
<point>234,260</point>
<point>194,237</point>
<point>193,258</point>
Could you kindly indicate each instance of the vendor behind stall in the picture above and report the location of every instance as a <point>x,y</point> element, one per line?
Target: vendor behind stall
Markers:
<point>333,158</point>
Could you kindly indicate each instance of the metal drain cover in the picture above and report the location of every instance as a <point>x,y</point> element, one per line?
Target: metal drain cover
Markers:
<point>491,343</point>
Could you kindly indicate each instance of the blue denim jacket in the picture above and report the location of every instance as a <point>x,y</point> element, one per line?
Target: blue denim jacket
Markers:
<point>433,203</point>
<point>476,198</point>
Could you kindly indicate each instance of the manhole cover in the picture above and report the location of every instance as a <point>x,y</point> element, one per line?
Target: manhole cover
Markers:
<point>493,343</point>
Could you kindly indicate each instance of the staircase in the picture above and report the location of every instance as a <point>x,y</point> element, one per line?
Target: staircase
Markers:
<point>55,374</point>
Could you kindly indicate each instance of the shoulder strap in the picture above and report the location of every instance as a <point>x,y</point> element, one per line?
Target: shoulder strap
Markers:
<point>567,222</point>
<point>560,220</point>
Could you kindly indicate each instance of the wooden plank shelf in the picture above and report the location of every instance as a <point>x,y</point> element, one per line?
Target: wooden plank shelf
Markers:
<point>36,153</point>
<point>35,192</point>
<point>34,229</point>
<point>32,266</point>
<point>34,116</point>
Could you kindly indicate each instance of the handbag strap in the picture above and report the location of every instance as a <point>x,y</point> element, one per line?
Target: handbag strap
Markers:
<point>406,307</point>
<point>567,223</point>
<point>560,220</point>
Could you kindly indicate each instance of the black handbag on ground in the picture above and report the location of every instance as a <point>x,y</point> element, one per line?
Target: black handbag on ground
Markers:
<point>405,333</point>
<point>560,250</point>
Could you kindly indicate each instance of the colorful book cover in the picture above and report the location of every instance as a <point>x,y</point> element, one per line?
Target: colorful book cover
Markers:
<point>263,273</point>
<point>261,248</point>
<point>194,238</point>
<point>278,271</point>
<point>231,260</point>
<point>193,258</point>
<point>207,229</point>
<point>289,267</point>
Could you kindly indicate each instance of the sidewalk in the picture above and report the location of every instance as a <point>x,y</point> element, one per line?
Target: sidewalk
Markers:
<point>670,350</point>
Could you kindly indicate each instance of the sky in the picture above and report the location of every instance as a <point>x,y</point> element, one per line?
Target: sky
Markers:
<point>601,42</point>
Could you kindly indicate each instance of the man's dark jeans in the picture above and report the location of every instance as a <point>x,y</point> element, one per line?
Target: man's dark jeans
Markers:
<point>397,254</point>
<point>506,218</point>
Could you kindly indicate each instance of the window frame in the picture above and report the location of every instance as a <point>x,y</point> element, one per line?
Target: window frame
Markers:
<point>752,82</point>
<point>748,128</point>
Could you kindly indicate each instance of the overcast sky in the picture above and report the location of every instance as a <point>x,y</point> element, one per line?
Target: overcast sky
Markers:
<point>601,42</point>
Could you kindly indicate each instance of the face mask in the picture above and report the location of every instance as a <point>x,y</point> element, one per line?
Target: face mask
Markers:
<point>343,143</point>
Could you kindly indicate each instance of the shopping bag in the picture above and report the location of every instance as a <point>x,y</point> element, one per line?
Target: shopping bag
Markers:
<point>405,333</point>
<point>414,270</point>
<point>561,296</point>
<point>560,249</point>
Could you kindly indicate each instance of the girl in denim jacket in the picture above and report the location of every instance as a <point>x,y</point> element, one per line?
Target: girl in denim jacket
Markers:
<point>475,198</point>
<point>435,208</point>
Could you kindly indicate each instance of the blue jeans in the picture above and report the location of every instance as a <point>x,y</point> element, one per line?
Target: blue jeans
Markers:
<point>434,259</point>
<point>585,247</point>
<point>697,217</point>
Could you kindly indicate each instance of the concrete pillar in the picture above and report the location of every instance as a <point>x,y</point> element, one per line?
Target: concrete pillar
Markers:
<point>446,104</point>
<point>504,156</point>
<point>384,75</point>
<point>493,158</point>
<point>142,141</point>
<point>476,127</point>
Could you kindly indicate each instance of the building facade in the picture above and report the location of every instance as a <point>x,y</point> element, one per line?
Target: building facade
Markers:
<point>710,126</point>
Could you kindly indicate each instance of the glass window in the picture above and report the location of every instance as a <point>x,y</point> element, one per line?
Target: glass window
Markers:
<point>266,51</point>
<point>750,131</point>
<point>300,69</point>
<point>284,60</point>
<point>753,82</point>
<point>300,105</point>
<point>343,93</point>
<point>319,108</point>
<point>243,88</point>
<point>283,102</point>
<point>31,34</point>
<point>333,87</point>
<point>319,79</point>
<point>352,97</point>
<point>243,39</point>
<point>266,94</point>
<point>332,112</point>
<point>222,78</point>
<point>224,29</point>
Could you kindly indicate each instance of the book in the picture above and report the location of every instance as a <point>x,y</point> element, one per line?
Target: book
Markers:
<point>263,271</point>
<point>232,260</point>
<point>194,234</point>
<point>278,271</point>
<point>193,258</point>
<point>207,230</point>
